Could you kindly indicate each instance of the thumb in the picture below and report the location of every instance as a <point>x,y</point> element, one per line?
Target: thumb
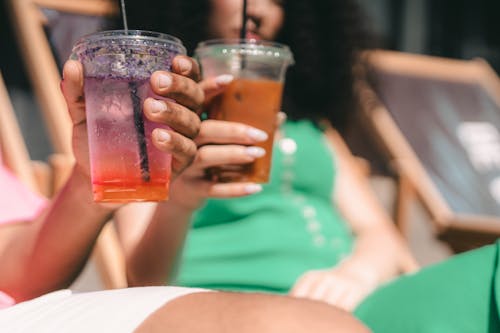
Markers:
<point>72,89</point>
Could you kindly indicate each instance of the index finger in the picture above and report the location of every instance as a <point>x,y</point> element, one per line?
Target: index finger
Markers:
<point>214,86</point>
<point>227,132</point>
<point>181,89</point>
<point>186,66</point>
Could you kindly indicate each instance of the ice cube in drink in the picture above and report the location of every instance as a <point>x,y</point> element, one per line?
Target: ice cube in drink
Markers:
<point>253,97</point>
<point>254,102</point>
<point>119,170</point>
<point>124,164</point>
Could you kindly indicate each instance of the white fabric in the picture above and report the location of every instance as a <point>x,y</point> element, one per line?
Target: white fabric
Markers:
<point>110,311</point>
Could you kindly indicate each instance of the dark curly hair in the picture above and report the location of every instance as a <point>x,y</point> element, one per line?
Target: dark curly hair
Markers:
<point>326,37</point>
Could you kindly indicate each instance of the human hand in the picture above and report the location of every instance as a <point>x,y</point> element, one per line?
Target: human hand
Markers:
<point>184,96</point>
<point>219,143</point>
<point>340,286</point>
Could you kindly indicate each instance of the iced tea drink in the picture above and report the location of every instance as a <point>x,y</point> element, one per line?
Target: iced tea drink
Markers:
<point>125,165</point>
<point>255,103</point>
<point>252,98</point>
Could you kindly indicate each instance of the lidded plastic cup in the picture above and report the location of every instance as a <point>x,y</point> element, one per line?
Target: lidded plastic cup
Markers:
<point>125,54</point>
<point>253,97</point>
<point>247,58</point>
<point>125,165</point>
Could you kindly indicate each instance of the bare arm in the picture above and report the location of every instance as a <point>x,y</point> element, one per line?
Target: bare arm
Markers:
<point>153,235</point>
<point>48,253</point>
<point>379,246</point>
<point>378,251</point>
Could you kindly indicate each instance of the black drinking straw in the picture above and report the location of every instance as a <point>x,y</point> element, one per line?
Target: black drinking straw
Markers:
<point>138,121</point>
<point>243,31</point>
<point>244,19</point>
<point>139,129</point>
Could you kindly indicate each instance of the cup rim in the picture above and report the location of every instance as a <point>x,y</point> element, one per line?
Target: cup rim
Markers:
<point>276,49</point>
<point>242,42</point>
<point>131,35</point>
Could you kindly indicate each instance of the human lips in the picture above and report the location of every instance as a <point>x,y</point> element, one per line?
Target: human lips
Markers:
<point>252,35</point>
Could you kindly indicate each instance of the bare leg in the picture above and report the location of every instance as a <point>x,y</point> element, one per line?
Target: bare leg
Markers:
<point>223,312</point>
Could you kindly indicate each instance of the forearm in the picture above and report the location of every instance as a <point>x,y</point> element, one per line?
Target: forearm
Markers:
<point>152,259</point>
<point>52,252</point>
<point>373,261</point>
<point>378,248</point>
<point>376,255</point>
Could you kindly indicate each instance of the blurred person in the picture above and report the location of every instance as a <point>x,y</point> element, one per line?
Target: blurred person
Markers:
<point>44,245</point>
<point>316,230</point>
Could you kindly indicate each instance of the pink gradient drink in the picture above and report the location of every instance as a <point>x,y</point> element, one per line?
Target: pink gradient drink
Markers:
<point>125,165</point>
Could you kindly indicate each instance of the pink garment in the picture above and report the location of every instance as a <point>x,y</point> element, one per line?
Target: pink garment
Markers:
<point>6,301</point>
<point>17,204</point>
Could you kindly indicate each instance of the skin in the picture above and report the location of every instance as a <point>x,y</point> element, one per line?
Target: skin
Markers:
<point>53,252</point>
<point>371,261</point>
<point>265,18</point>
<point>54,247</point>
<point>248,313</point>
<point>141,227</point>
<point>152,248</point>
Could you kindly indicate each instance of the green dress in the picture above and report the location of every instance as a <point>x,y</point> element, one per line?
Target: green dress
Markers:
<point>459,295</point>
<point>265,241</point>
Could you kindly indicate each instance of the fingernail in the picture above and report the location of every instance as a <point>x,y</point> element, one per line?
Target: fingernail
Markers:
<point>163,136</point>
<point>257,134</point>
<point>158,106</point>
<point>255,151</point>
<point>164,81</point>
<point>281,117</point>
<point>224,79</point>
<point>184,65</point>
<point>253,188</point>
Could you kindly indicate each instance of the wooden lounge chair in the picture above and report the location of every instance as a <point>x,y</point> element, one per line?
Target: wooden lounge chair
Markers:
<point>30,22</point>
<point>34,174</point>
<point>439,122</point>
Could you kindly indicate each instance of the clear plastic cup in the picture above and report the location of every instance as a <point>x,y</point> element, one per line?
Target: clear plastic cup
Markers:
<point>125,165</point>
<point>253,97</point>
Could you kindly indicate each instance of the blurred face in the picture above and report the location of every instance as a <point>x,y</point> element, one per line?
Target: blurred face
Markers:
<point>265,18</point>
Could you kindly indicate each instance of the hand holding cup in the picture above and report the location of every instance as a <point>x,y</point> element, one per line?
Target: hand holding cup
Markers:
<point>132,89</point>
<point>182,121</point>
<point>253,97</point>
